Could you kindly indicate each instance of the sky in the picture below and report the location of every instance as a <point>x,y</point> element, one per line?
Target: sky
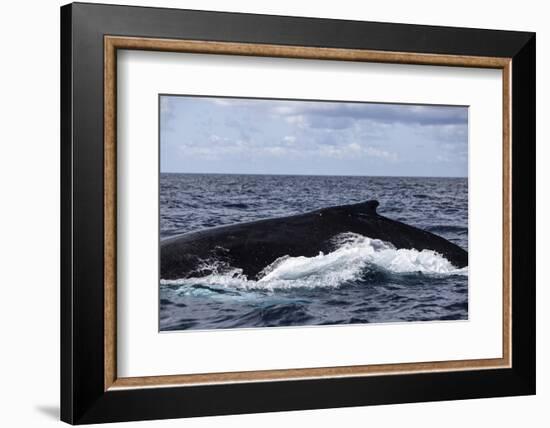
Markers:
<point>266,136</point>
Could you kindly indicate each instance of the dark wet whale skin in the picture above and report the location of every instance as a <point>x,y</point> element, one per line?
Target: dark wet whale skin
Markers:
<point>253,246</point>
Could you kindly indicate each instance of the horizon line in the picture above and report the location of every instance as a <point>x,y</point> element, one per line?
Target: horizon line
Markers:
<point>314,175</point>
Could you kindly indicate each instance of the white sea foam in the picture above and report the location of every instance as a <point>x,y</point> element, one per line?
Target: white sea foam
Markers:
<point>353,253</point>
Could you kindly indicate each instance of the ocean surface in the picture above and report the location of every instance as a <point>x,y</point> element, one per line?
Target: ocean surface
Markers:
<point>361,281</point>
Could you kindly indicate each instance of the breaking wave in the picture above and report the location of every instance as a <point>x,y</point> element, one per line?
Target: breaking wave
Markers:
<point>353,256</point>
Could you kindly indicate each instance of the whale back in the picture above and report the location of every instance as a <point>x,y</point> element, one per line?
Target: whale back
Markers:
<point>254,245</point>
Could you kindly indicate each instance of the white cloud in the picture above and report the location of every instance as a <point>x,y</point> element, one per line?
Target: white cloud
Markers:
<point>165,105</point>
<point>353,151</point>
<point>275,151</point>
<point>297,120</point>
<point>379,153</point>
<point>289,139</point>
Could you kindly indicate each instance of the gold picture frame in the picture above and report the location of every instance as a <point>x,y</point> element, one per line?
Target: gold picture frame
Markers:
<point>114,43</point>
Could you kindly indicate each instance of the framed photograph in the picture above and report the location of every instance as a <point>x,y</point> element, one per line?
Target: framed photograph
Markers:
<point>266,213</point>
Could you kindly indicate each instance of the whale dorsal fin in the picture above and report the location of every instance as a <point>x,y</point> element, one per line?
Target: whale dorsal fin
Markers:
<point>368,207</point>
<point>361,208</point>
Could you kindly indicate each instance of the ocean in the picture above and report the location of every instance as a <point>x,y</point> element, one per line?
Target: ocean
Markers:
<point>361,281</point>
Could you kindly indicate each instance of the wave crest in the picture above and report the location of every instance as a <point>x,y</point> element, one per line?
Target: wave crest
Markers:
<point>353,254</point>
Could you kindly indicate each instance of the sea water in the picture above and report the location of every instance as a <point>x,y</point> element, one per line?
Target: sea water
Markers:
<point>363,280</point>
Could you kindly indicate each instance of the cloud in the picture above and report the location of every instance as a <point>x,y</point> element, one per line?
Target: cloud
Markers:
<point>342,115</point>
<point>217,148</point>
<point>329,122</point>
<point>275,150</point>
<point>167,113</point>
<point>289,140</point>
<point>166,105</point>
<point>242,134</point>
<point>354,151</point>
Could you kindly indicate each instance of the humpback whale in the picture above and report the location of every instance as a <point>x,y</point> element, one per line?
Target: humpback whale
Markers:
<point>253,246</point>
